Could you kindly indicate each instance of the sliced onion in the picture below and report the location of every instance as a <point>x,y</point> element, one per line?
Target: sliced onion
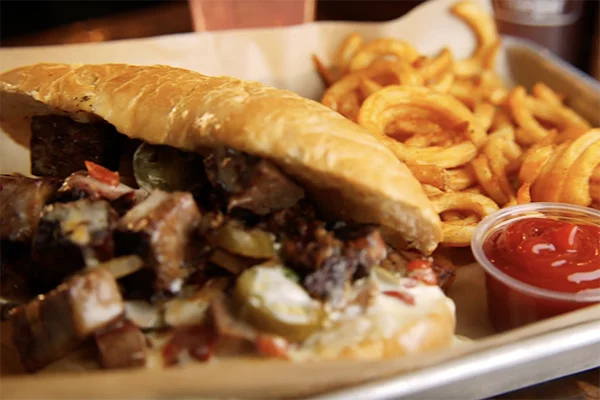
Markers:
<point>123,266</point>
<point>191,310</point>
<point>179,312</point>
<point>254,243</point>
<point>143,314</point>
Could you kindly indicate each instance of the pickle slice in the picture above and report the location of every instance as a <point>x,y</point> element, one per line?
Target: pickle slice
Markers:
<point>166,168</point>
<point>272,302</point>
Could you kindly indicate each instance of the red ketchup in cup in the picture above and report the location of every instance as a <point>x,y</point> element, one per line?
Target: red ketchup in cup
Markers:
<point>540,259</point>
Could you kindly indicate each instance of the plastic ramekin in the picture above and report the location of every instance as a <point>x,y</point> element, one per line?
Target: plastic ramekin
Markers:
<point>512,303</point>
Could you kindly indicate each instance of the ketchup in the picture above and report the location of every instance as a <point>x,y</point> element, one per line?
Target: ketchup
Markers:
<point>550,254</point>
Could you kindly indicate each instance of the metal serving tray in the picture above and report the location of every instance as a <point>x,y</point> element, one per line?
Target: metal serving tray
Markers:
<point>527,362</point>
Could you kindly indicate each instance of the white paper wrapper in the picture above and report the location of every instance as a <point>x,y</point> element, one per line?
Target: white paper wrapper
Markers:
<point>278,57</point>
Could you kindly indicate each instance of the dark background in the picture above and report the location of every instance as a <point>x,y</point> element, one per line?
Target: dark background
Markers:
<point>20,20</point>
<point>25,17</point>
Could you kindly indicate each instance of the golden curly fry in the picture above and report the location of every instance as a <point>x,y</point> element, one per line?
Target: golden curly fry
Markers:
<point>529,111</point>
<point>533,162</point>
<point>347,50</point>
<point>484,112</point>
<point>429,68</point>
<point>461,130</point>
<point>368,87</point>
<point>577,181</point>
<point>344,96</point>
<point>551,182</point>
<point>431,191</point>
<point>383,107</point>
<point>324,73</point>
<point>458,233</point>
<point>460,179</point>
<point>488,40</point>
<point>379,48</point>
<point>437,72</point>
<point>544,92</point>
<point>524,193</point>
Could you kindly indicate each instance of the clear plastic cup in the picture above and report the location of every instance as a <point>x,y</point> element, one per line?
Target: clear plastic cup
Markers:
<point>512,303</point>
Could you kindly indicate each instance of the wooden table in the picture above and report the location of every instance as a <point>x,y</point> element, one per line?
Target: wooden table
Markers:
<point>176,17</point>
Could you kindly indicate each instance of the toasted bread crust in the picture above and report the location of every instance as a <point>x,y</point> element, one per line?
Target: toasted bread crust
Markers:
<point>346,168</point>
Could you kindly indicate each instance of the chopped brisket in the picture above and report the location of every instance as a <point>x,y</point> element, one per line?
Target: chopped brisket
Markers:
<point>73,235</point>
<point>50,326</point>
<point>15,263</point>
<point>121,345</point>
<point>21,202</point>
<point>329,258</point>
<point>251,183</point>
<point>364,245</point>
<point>159,229</point>
<point>60,145</point>
<point>328,282</point>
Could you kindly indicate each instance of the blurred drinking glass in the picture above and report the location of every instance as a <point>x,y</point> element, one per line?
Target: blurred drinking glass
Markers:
<point>212,15</point>
<point>554,24</point>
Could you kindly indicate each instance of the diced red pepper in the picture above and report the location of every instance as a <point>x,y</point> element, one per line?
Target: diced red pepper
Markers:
<point>402,296</point>
<point>272,346</point>
<point>427,276</point>
<point>102,174</point>
<point>418,264</point>
<point>199,341</point>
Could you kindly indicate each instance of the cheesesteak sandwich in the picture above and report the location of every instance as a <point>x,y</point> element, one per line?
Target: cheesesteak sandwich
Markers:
<point>181,216</point>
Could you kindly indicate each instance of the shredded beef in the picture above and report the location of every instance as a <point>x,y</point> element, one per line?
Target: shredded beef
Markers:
<point>328,258</point>
<point>250,183</point>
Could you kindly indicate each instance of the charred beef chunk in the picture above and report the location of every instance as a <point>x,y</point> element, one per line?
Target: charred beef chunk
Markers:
<point>250,183</point>
<point>15,262</point>
<point>364,245</point>
<point>159,229</point>
<point>60,145</point>
<point>49,327</point>
<point>328,282</point>
<point>121,345</point>
<point>73,235</point>
<point>328,258</point>
<point>21,202</point>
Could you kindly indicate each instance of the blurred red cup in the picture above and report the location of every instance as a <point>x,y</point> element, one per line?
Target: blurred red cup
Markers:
<point>213,15</point>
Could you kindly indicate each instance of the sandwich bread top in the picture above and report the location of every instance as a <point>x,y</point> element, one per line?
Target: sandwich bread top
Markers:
<point>346,170</point>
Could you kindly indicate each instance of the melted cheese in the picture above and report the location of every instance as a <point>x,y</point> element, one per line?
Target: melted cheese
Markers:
<point>284,298</point>
<point>381,319</point>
